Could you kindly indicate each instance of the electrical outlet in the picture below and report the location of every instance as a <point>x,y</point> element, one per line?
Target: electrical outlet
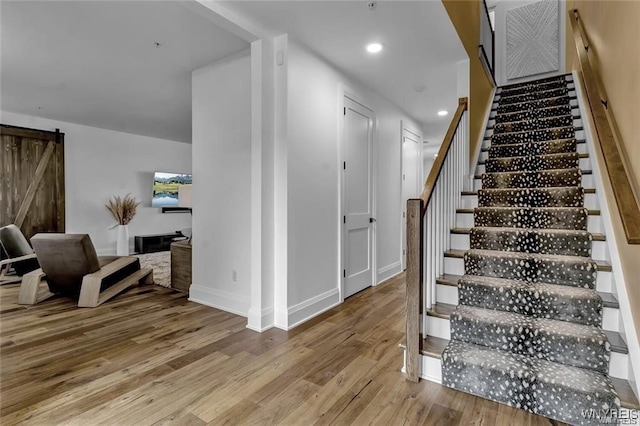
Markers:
<point>234,275</point>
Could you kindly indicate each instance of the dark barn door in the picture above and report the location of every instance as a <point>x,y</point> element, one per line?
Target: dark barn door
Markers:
<point>32,180</point>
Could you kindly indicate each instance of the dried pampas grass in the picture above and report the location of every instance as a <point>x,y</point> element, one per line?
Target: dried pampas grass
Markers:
<point>123,209</point>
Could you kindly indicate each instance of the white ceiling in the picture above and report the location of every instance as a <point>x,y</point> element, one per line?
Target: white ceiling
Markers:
<point>421,47</point>
<point>96,62</point>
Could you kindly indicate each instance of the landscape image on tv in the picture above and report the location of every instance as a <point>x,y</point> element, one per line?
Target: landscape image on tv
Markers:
<point>165,188</point>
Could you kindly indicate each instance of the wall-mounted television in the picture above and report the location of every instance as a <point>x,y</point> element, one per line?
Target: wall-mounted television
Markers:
<point>165,188</point>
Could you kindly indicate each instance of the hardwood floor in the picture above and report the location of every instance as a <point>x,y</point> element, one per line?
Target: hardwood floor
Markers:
<point>151,357</point>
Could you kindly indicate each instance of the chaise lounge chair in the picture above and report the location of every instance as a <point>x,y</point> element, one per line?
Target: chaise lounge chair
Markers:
<point>71,267</point>
<point>20,255</point>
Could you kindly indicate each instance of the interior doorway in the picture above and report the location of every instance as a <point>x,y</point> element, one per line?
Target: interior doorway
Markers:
<point>412,180</point>
<point>358,220</point>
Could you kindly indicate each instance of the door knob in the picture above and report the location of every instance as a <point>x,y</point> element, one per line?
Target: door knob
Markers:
<point>371,220</point>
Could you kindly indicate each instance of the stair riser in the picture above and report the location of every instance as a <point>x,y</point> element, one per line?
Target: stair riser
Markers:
<point>455,266</point>
<point>583,164</point>
<point>535,148</point>
<point>556,111</point>
<point>503,100</point>
<point>590,201</point>
<point>462,242</point>
<point>514,217</point>
<point>533,137</point>
<point>535,88</point>
<point>528,337</point>
<point>532,179</point>
<point>618,365</point>
<point>465,220</point>
<point>586,182</point>
<point>532,105</point>
<point>540,301</point>
<point>533,125</point>
<point>531,242</point>
<point>533,269</point>
<point>554,197</point>
<point>521,150</point>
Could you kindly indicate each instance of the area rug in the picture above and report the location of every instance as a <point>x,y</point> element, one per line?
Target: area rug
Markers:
<point>161,264</point>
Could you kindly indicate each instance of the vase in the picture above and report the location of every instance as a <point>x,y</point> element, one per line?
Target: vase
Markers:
<point>122,245</point>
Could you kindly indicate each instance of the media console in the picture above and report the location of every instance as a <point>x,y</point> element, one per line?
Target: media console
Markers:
<point>157,242</point>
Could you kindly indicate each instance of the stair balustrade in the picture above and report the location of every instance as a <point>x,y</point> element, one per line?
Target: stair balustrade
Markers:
<point>429,220</point>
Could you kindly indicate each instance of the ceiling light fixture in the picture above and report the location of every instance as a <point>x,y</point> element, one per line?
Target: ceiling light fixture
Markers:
<point>374,47</point>
<point>443,113</point>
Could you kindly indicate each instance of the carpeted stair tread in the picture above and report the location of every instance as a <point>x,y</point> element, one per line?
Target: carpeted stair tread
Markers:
<point>547,388</point>
<point>568,160</point>
<point>467,231</point>
<point>566,77</point>
<point>569,242</point>
<point>533,96</point>
<point>573,344</point>
<point>540,300</point>
<point>534,104</point>
<point>571,196</point>
<point>580,155</point>
<point>532,267</point>
<point>553,146</point>
<point>537,179</point>
<point>554,111</point>
<point>531,124</point>
<point>434,347</point>
<point>541,135</point>
<point>602,265</point>
<point>540,87</point>
<point>586,191</point>
<point>532,217</point>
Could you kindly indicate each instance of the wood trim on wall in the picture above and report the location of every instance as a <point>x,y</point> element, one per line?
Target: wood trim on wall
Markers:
<point>606,136</point>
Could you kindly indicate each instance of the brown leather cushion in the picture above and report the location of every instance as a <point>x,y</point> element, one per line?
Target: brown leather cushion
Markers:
<point>15,245</point>
<point>65,259</point>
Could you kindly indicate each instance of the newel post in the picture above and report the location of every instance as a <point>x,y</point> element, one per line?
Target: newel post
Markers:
<point>414,285</point>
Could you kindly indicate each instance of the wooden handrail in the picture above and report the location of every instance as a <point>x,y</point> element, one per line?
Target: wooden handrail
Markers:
<point>442,153</point>
<point>416,210</point>
<point>604,134</point>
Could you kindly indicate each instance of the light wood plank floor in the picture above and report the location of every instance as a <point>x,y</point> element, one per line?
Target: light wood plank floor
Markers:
<point>151,357</point>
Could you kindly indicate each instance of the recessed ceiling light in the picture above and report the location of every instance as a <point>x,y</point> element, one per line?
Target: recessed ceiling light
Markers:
<point>374,47</point>
<point>443,113</point>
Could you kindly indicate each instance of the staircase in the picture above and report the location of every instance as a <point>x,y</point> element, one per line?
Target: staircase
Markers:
<point>525,316</point>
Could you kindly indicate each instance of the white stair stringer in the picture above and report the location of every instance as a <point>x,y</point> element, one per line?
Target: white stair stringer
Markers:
<point>618,288</point>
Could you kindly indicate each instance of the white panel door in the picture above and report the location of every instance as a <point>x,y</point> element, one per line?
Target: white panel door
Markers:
<point>358,196</point>
<point>411,177</point>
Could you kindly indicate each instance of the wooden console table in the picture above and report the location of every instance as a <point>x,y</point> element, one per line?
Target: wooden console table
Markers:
<point>181,266</point>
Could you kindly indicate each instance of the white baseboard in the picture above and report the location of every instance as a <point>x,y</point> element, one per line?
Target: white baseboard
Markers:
<point>430,367</point>
<point>304,311</point>
<point>389,271</point>
<point>220,299</point>
<point>260,320</point>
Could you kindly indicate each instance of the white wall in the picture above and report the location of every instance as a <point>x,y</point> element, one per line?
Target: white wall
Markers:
<point>101,163</point>
<point>222,184</point>
<point>501,9</point>
<point>314,111</point>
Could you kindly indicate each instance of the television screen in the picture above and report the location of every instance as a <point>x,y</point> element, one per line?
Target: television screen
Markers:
<point>165,188</point>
